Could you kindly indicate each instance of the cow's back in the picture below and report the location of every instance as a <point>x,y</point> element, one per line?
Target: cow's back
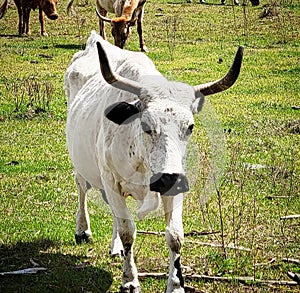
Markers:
<point>85,65</point>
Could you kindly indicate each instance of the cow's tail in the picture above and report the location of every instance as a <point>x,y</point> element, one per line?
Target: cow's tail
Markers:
<point>3,8</point>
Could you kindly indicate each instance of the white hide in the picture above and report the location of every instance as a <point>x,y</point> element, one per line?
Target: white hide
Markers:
<point>100,148</point>
<point>120,159</point>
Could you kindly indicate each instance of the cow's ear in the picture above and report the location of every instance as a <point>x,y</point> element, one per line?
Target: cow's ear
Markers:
<point>123,112</point>
<point>198,104</point>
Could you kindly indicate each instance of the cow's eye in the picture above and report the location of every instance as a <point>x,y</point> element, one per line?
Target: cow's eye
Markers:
<point>146,128</point>
<point>190,129</point>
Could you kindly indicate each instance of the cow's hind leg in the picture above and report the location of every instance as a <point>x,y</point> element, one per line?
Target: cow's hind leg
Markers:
<point>83,230</point>
<point>26,17</point>
<point>174,238</point>
<point>20,13</point>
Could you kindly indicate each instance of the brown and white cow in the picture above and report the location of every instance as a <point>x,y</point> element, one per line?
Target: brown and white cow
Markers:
<point>24,7</point>
<point>127,14</point>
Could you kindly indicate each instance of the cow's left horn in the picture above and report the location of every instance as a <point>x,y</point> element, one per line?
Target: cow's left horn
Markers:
<point>102,17</point>
<point>224,83</point>
<point>114,79</point>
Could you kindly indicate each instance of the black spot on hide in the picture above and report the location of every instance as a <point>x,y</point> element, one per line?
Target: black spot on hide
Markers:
<point>122,113</point>
<point>179,272</point>
<point>127,248</point>
<point>88,185</point>
<point>103,193</point>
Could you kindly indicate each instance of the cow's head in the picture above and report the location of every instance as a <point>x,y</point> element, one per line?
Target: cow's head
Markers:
<point>164,111</point>
<point>120,27</point>
<point>49,7</point>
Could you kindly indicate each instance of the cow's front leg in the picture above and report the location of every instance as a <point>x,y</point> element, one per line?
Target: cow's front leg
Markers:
<point>174,238</point>
<point>103,12</point>
<point>116,247</point>
<point>42,22</point>
<point>127,232</point>
<point>126,229</point>
<point>140,32</point>
<point>83,231</point>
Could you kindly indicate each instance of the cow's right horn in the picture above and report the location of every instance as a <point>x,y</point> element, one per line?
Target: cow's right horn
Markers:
<point>114,79</point>
<point>224,83</point>
<point>106,19</point>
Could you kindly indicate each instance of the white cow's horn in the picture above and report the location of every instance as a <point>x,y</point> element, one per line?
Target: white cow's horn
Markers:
<point>114,79</point>
<point>224,83</point>
<point>102,17</point>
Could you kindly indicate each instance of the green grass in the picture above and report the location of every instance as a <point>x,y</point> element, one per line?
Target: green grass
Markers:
<point>259,117</point>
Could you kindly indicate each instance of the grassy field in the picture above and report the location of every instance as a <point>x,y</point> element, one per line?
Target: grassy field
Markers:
<point>248,134</point>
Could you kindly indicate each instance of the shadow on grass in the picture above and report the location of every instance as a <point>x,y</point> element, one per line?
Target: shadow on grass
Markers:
<point>70,46</point>
<point>11,36</point>
<point>65,273</point>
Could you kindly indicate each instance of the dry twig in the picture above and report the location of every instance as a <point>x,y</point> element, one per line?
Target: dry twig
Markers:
<point>293,260</point>
<point>191,233</point>
<point>24,271</point>
<point>223,279</point>
<point>266,263</point>
<point>242,248</point>
<point>277,196</point>
<point>289,217</point>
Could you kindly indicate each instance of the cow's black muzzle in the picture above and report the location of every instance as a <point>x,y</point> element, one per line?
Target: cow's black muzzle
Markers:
<point>169,184</point>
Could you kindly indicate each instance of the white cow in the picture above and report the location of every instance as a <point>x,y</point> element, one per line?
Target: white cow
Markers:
<point>127,131</point>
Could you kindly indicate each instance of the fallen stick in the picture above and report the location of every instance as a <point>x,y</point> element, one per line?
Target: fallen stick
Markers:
<point>293,260</point>
<point>223,279</point>
<point>24,271</point>
<point>273,260</point>
<point>277,196</point>
<point>242,280</point>
<point>220,245</point>
<point>191,233</point>
<point>289,217</point>
<point>200,233</point>
<point>151,233</point>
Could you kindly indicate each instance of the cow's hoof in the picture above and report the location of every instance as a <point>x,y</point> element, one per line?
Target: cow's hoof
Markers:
<point>117,255</point>
<point>83,237</point>
<point>144,49</point>
<point>131,289</point>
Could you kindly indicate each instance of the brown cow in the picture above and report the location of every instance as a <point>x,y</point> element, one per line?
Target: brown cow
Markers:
<point>24,7</point>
